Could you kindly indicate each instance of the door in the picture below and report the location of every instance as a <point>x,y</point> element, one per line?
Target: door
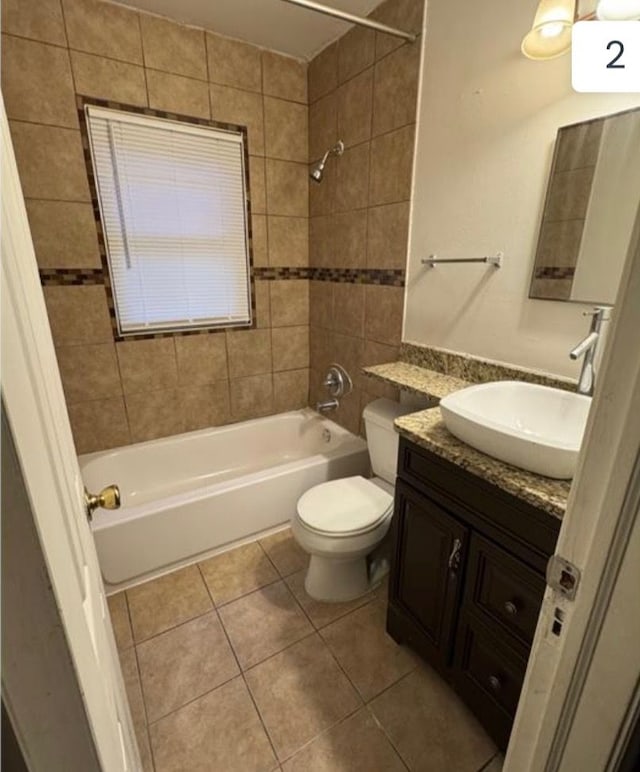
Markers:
<point>427,576</point>
<point>35,406</point>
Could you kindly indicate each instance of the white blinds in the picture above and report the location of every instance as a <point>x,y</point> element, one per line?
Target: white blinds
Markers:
<point>172,201</point>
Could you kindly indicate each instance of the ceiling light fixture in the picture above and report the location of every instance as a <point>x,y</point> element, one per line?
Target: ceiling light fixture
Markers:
<point>550,35</point>
<point>618,10</point>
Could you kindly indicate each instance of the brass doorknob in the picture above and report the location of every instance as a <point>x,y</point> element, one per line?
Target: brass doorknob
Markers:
<point>108,498</point>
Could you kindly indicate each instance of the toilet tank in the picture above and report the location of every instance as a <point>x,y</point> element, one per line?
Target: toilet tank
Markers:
<point>382,438</point>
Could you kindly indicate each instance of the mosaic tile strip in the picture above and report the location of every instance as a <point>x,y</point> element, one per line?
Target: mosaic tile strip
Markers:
<point>389,277</point>
<point>61,277</point>
<point>555,272</point>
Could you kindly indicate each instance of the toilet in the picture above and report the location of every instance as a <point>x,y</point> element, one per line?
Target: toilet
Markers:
<point>341,522</point>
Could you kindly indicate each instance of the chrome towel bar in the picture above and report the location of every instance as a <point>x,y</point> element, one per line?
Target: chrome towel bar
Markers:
<point>494,260</point>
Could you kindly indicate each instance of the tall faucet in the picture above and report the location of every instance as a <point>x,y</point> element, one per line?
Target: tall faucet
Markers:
<point>588,347</point>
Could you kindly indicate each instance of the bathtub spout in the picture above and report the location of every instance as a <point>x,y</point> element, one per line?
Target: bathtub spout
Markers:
<point>327,405</point>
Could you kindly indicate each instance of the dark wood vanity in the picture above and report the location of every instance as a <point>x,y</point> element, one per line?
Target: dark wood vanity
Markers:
<point>467,580</point>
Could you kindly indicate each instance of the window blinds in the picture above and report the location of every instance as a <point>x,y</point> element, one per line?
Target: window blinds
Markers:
<point>172,202</point>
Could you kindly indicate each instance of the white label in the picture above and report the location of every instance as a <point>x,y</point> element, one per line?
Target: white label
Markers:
<point>606,56</point>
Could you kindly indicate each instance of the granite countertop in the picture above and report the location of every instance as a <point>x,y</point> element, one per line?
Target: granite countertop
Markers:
<point>417,380</point>
<point>426,428</point>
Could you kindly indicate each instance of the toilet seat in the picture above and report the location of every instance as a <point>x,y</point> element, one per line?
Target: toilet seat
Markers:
<point>344,507</point>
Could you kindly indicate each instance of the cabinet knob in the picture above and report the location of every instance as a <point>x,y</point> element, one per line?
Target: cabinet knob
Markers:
<point>511,608</point>
<point>494,683</point>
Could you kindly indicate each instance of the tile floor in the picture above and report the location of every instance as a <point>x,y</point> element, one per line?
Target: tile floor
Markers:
<point>230,666</point>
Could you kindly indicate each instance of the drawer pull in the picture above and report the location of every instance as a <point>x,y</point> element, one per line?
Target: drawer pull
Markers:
<point>454,557</point>
<point>511,608</point>
<point>494,683</point>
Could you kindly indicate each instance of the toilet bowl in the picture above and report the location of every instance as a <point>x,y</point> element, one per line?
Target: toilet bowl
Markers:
<point>341,522</point>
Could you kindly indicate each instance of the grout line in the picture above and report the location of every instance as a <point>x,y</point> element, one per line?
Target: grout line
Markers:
<point>381,726</point>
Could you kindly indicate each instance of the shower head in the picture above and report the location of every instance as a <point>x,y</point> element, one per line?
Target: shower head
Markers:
<point>318,170</point>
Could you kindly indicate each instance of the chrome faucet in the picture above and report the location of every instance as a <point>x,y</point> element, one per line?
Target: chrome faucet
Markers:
<point>588,347</point>
<point>327,405</point>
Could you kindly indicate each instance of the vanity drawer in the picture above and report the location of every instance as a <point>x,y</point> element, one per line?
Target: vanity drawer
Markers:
<point>488,674</point>
<point>503,589</point>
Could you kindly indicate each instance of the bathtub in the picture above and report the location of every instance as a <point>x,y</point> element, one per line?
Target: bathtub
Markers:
<point>186,495</point>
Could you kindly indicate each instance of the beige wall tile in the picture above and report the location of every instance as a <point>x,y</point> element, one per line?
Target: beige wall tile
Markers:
<point>322,195</point>
<point>290,348</point>
<point>391,166</point>
<point>356,51</point>
<point>251,397</point>
<point>35,19</point>
<point>78,314</point>
<point>322,242</point>
<point>104,29</point>
<point>348,413</point>
<point>289,303</point>
<point>323,126</point>
<point>64,234</point>
<point>405,14</point>
<point>36,83</point>
<point>383,314</point>
<point>147,365</point>
<point>249,352</point>
<point>108,79</point>
<point>50,162</point>
<point>387,236</point>
<point>323,72</point>
<point>290,390</point>
<point>396,89</point>
<point>348,309</point>
<point>287,188</point>
<point>284,77</point>
<point>263,304</point>
<point>231,105</point>
<point>286,130</point>
<point>173,47</point>
<point>154,414</point>
<point>89,372</point>
<point>201,359</point>
<point>348,351</point>
<point>257,185</point>
<point>321,304</point>
<point>259,240</point>
<point>352,178</point>
<point>350,234</point>
<point>321,350</point>
<point>204,406</point>
<point>233,63</point>
<point>176,94</point>
<point>354,109</point>
<point>288,241</point>
<point>99,424</point>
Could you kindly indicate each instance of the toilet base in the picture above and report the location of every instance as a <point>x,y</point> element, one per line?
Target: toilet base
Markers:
<point>338,581</point>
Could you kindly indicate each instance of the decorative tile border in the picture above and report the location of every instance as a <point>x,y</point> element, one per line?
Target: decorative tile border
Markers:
<point>389,277</point>
<point>67,277</point>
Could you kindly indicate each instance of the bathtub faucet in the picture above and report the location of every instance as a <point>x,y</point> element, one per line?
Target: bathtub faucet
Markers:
<point>327,405</point>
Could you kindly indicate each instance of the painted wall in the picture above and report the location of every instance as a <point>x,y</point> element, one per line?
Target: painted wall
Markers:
<point>486,130</point>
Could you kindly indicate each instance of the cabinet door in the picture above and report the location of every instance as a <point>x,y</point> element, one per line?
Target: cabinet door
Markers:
<point>427,575</point>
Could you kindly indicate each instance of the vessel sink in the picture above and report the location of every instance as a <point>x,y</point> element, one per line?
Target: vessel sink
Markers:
<point>537,428</point>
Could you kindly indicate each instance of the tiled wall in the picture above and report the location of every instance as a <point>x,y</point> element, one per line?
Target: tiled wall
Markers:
<point>363,90</point>
<point>128,391</point>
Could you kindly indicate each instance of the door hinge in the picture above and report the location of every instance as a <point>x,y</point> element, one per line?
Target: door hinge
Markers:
<point>563,576</point>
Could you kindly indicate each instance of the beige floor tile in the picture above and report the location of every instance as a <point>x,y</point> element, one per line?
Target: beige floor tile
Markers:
<point>119,613</point>
<point>355,745</point>
<point>184,663</point>
<point>237,572</point>
<point>166,602</point>
<point>371,658</point>
<point>263,623</point>
<point>495,765</point>
<point>285,552</point>
<point>430,727</point>
<point>220,731</point>
<point>321,614</point>
<point>300,693</point>
<point>136,706</point>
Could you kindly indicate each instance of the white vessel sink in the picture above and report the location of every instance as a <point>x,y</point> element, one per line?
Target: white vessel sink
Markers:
<point>537,428</point>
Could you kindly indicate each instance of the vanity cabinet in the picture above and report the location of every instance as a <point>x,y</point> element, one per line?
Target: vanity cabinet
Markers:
<point>467,580</point>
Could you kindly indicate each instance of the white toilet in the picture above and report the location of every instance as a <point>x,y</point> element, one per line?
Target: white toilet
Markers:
<point>339,523</point>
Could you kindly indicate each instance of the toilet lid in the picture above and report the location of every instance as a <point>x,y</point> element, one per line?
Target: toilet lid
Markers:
<point>345,506</point>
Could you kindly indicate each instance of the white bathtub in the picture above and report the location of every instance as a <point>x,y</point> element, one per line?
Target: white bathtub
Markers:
<point>189,494</point>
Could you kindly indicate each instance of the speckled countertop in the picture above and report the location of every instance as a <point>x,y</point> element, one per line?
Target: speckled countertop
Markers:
<point>417,380</point>
<point>426,428</point>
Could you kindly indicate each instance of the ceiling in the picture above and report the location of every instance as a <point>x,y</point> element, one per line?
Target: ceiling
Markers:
<point>272,24</point>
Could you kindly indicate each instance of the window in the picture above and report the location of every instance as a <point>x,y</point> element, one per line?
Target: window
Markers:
<point>172,203</point>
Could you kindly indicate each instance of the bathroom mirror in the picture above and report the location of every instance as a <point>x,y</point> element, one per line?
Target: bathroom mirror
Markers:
<point>590,209</point>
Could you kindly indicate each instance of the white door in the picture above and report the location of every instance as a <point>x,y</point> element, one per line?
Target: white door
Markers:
<point>35,406</point>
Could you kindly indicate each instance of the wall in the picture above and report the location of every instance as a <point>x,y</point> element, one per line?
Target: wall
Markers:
<point>362,89</point>
<point>486,129</point>
<point>128,391</point>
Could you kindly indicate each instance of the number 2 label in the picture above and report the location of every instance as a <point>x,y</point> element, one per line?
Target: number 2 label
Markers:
<point>606,56</point>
